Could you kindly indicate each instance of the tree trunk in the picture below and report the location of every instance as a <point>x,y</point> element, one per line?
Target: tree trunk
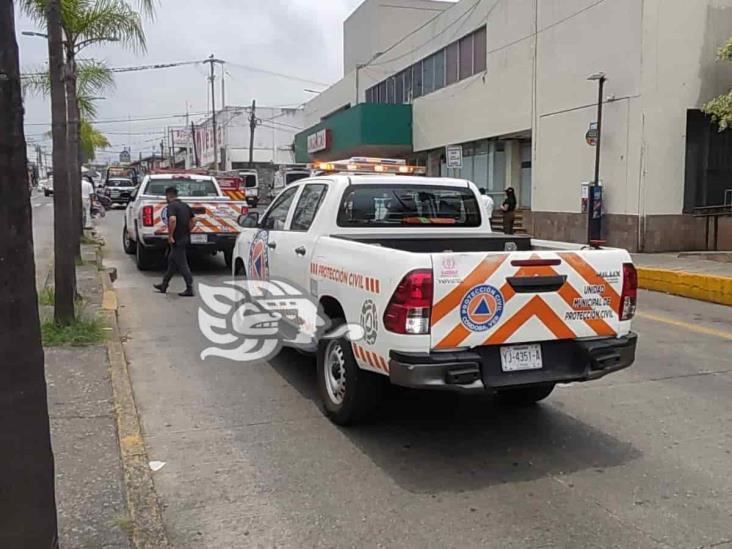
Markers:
<point>73,131</point>
<point>63,227</point>
<point>27,501</point>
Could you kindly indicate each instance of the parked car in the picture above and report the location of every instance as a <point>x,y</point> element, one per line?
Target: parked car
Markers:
<point>46,185</point>
<point>119,190</point>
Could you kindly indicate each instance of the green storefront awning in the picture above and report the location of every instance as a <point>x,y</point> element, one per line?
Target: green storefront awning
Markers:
<point>367,129</point>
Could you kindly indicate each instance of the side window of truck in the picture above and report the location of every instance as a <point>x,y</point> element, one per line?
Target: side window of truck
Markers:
<point>307,206</point>
<point>276,217</point>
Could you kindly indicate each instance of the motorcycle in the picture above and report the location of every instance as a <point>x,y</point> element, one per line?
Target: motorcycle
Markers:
<point>97,207</point>
<point>104,200</point>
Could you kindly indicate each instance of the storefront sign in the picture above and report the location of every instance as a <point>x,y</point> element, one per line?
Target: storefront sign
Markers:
<point>124,157</point>
<point>318,141</point>
<point>454,155</point>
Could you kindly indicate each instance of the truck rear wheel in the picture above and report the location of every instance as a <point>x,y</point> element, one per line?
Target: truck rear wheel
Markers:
<point>525,396</point>
<point>347,392</point>
<point>128,244</point>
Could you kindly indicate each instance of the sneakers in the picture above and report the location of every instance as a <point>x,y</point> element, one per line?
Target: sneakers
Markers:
<point>162,288</point>
<point>187,293</point>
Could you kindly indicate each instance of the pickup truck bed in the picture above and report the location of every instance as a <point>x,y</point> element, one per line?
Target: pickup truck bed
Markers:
<point>436,243</point>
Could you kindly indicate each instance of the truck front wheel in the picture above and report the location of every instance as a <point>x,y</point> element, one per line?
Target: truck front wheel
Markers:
<point>347,392</point>
<point>525,396</point>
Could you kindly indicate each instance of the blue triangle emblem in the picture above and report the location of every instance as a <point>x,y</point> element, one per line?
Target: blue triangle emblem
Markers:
<point>482,308</point>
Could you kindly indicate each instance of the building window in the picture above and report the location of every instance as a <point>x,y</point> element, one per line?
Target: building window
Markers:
<point>451,62</point>
<point>408,85</point>
<point>480,47</point>
<point>399,88</point>
<point>466,56</point>
<point>390,90</point>
<point>370,95</point>
<point>439,69</point>
<point>459,60</point>
<point>417,80</point>
<point>428,75</point>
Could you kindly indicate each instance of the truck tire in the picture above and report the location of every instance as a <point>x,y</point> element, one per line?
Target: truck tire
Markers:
<point>347,392</point>
<point>228,257</point>
<point>46,193</point>
<point>146,259</point>
<point>128,244</point>
<point>525,396</point>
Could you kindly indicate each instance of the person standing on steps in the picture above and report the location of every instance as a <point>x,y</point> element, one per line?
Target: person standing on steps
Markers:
<point>488,201</point>
<point>509,210</point>
<point>181,221</point>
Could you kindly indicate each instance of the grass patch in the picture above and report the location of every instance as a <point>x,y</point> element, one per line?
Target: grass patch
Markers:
<point>85,331</point>
<point>47,296</point>
<point>124,523</point>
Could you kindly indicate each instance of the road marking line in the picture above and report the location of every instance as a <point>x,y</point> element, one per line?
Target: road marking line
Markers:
<point>687,326</point>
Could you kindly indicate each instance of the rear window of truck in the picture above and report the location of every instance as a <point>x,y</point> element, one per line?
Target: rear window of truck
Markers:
<point>408,205</point>
<point>186,187</point>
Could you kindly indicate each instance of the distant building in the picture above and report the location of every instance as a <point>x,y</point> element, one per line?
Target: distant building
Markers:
<point>507,80</point>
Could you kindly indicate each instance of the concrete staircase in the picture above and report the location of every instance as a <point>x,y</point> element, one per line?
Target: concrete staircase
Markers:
<point>518,224</point>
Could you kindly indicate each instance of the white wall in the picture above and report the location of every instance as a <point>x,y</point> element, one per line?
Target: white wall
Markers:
<point>605,38</point>
<point>376,25</point>
<point>340,94</point>
<point>680,72</point>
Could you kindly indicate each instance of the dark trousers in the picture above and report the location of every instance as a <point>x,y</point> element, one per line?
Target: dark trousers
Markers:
<point>508,219</point>
<point>178,262</point>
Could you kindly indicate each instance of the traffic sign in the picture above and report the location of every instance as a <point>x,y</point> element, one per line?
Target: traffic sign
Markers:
<point>454,154</point>
<point>592,134</point>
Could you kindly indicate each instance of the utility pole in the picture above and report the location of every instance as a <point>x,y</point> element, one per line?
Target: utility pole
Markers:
<point>211,60</point>
<point>172,146</point>
<point>162,152</point>
<point>225,148</point>
<point>195,146</point>
<point>253,123</point>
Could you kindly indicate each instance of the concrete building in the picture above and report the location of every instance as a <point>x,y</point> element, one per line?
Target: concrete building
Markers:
<point>507,80</point>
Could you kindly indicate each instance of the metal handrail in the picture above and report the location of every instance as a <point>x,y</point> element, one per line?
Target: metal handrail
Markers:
<point>712,215</point>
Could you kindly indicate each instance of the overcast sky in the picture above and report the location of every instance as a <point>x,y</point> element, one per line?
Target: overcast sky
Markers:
<point>302,38</point>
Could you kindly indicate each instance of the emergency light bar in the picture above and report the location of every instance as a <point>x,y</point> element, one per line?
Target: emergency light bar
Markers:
<point>362,164</point>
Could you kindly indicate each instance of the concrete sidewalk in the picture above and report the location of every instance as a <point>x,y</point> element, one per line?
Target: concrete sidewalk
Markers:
<point>706,276</point>
<point>90,484</point>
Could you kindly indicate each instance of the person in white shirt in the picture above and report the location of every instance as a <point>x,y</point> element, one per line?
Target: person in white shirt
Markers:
<point>488,201</point>
<point>87,189</point>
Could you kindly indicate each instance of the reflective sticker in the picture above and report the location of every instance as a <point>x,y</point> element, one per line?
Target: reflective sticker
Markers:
<point>259,257</point>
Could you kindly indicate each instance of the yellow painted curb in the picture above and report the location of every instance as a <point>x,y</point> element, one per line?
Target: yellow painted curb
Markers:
<point>705,287</point>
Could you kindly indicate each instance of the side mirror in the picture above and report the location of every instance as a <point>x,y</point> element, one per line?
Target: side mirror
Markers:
<point>249,220</point>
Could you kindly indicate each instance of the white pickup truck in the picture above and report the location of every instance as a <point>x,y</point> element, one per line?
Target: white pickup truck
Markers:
<point>444,303</point>
<point>145,232</point>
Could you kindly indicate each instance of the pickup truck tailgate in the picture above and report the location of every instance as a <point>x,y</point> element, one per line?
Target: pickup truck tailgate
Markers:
<point>211,217</point>
<point>521,297</point>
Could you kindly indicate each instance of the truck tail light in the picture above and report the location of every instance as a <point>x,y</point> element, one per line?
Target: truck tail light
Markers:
<point>147,216</point>
<point>244,210</point>
<point>410,307</point>
<point>629,296</point>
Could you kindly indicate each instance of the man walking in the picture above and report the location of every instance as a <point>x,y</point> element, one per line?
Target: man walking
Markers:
<point>180,224</point>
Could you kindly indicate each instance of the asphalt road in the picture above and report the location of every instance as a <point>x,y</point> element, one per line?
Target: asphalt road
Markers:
<point>640,459</point>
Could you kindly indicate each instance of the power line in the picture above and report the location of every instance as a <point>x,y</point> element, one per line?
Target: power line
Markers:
<point>274,73</point>
<point>125,120</point>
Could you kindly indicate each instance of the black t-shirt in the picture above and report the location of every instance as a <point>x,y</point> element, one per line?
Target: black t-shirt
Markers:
<point>183,215</point>
<point>510,203</point>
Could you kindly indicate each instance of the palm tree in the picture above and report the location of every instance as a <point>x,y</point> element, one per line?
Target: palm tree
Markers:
<point>27,504</point>
<point>93,78</point>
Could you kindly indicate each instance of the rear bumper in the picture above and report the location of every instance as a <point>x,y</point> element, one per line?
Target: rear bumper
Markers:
<point>480,369</point>
<point>216,243</point>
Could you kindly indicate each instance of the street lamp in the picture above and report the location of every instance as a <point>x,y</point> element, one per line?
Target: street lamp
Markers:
<point>594,220</point>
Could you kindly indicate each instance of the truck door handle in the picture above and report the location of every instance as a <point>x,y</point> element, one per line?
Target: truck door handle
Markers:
<point>300,250</point>
<point>272,245</point>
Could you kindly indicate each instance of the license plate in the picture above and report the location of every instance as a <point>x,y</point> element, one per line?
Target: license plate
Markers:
<point>521,357</point>
<point>199,238</point>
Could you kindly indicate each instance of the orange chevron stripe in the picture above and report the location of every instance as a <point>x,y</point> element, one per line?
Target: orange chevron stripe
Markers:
<point>536,307</point>
<point>478,275</point>
<point>566,292</point>
<point>586,271</point>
